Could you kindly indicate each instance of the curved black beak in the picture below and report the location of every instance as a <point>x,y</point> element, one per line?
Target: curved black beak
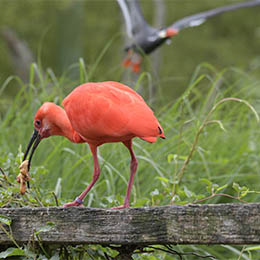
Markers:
<point>35,140</point>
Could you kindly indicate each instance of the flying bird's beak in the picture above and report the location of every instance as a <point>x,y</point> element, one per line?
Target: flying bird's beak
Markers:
<point>171,32</point>
<point>35,140</point>
<point>167,33</point>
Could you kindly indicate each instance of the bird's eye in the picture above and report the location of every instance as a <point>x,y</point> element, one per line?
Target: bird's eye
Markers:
<point>38,123</point>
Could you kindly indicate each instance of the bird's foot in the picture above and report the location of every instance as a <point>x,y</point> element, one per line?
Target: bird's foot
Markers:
<point>136,67</point>
<point>125,206</point>
<point>76,203</point>
<point>133,60</point>
<point>127,62</point>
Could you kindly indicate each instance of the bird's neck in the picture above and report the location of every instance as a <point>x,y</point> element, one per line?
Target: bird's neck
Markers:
<point>64,128</point>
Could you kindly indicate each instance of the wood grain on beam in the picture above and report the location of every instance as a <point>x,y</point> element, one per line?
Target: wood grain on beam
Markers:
<point>190,224</point>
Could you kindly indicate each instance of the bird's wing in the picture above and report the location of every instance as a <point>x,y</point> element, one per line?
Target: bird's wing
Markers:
<point>109,111</point>
<point>122,87</point>
<point>199,18</point>
<point>127,18</point>
<point>139,119</point>
<point>133,16</point>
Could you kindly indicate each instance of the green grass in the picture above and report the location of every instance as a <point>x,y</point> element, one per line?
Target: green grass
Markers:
<point>227,150</point>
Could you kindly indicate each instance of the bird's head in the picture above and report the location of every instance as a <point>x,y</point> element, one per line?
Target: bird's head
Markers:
<point>167,33</point>
<point>48,120</point>
<point>46,123</point>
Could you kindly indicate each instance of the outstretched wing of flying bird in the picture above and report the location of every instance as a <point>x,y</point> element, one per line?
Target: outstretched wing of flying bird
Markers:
<point>134,19</point>
<point>200,18</point>
<point>145,38</point>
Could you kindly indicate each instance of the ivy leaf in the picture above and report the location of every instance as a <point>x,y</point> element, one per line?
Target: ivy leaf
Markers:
<point>45,228</point>
<point>199,196</point>
<point>12,251</point>
<point>5,220</point>
<point>155,192</point>
<point>236,187</point>
<point>162,179</point>
<point>209,184</point>
<point>222,187</point>
<point>55,257</point>
<point>215,187</point>
<point>244,192</point>
<point>170,157</point>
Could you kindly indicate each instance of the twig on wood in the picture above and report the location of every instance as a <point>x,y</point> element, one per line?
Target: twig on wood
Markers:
<point>220,194</point>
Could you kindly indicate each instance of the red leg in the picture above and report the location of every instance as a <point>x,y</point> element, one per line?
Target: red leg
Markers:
<point>136,67</point>
<point>133,168</point>
<point>136,62</point>
<point>79,200</point>
<point>128,60</point>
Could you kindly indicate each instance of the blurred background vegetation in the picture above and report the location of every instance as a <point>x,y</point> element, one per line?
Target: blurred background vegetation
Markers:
<point>59,32</point>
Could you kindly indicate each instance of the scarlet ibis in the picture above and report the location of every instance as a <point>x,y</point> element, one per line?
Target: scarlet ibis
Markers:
<point>98,113</point>
<point>145,38</point>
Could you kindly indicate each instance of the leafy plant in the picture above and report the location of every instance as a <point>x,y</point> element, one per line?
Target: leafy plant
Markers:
<point>211,154</point>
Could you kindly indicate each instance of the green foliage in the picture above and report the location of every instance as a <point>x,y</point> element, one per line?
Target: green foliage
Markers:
<point>210,155</point>
<point>12,251</point>
<point>69,29</point>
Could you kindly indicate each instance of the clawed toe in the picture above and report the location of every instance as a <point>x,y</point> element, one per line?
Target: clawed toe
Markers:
<point>73,204</point>
<point>122,207</point>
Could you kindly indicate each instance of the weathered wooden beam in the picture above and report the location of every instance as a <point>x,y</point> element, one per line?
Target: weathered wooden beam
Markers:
<point>190,224</point>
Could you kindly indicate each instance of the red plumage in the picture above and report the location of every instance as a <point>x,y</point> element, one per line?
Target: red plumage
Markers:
<point>99,113</point>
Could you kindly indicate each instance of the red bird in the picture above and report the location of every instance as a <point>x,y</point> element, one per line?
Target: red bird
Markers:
<point>98,113</point>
